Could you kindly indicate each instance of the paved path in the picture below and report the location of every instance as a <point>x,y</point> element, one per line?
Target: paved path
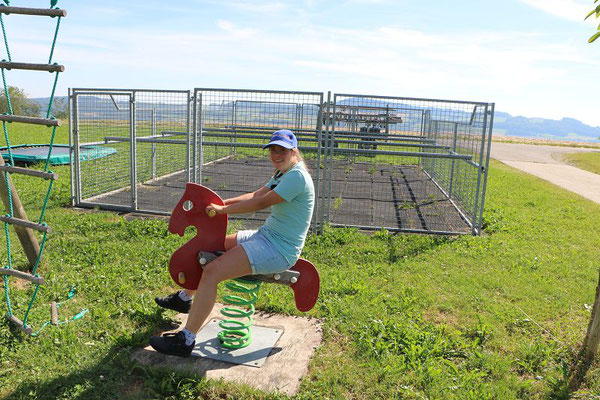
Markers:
<point>546,162</point>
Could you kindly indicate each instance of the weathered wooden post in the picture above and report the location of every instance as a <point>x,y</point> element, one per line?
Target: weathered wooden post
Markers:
<point>26,237</point>
<point>589,349</point>
<point>592,337</point>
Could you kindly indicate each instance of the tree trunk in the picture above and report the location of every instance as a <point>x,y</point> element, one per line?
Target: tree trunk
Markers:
<point>588,351</point>
<point>592,338</point>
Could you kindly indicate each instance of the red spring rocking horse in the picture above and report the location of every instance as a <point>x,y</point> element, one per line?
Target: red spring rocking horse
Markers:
<point>187,262</point>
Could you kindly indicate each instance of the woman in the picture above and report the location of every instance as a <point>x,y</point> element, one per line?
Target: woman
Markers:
<point>274,247</point>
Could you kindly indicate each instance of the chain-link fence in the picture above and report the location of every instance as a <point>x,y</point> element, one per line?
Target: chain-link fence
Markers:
<point>403,164</point>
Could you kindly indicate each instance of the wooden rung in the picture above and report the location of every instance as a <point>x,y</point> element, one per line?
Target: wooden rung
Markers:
<point>48,12</point>
<point>19,324</point>
<point>31,172</point>
<point>32,67</point>
<point>22,275</point>
<point>54,313</point>
<point>30,120</point>
<point>27,224</point>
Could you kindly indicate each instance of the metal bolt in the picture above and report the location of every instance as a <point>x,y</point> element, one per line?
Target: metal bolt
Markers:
<point>293,279</point>
<point>276,277</point>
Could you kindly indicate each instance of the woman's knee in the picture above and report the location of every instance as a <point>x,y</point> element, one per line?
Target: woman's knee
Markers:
<point>230,241</point>
<point>232,264</point>
<point>210,273</point>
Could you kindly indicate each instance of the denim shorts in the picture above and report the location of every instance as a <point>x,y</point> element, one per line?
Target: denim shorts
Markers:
<point>264,257</point>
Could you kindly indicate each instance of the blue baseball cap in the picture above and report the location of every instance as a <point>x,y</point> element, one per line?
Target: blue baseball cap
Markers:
<point>284,138</point>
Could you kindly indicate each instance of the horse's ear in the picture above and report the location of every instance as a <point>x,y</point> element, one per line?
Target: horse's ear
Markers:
<point>190,210</point>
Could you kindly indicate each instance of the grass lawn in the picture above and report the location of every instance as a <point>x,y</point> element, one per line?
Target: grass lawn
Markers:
<point>587,161</point>
<point>499,316</point>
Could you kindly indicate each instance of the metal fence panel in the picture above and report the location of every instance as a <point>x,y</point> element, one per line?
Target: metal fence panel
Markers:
<point>403,164</point>
<point>410,164</point>
<point>231,126</point>
<point>157,121</point>
<point>96,116</point>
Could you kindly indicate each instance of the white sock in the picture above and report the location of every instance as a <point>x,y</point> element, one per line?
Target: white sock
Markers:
<point>184,296</point>
<point>190,337</point>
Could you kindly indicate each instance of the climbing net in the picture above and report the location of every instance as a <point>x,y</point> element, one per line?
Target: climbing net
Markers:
<point>14,217</point>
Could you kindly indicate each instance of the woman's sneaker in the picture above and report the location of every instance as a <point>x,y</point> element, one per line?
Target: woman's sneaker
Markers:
<point>172,344</point>
<point>174,302</point>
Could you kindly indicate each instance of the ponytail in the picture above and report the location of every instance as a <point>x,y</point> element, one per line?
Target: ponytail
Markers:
<point>299,157</point>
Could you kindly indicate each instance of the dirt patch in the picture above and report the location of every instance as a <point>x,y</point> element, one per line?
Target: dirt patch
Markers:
<point>19,284</point>
<point>438,316</point>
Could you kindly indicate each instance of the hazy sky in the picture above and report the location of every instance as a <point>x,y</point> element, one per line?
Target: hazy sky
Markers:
<point>530,57</point>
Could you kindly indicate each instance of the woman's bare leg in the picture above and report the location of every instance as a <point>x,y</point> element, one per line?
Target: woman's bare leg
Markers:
<point>233,264</point>
<point>230,243</point>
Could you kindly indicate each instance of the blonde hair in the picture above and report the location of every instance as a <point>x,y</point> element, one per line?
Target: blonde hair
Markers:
<point>299,157</point>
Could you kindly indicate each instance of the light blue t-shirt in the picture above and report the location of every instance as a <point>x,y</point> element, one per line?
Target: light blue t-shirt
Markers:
<point>288,224</point>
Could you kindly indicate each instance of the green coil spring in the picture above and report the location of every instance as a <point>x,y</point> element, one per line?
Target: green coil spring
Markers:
<point>237,334</point>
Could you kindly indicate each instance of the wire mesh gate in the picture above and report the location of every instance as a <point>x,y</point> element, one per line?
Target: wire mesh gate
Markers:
<point>403,164</point>
<point>232,125</point>
<point>149,129</point>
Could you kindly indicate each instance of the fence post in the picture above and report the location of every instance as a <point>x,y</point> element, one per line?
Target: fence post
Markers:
<point>329,146</point>
<point>318,193</point>
<point>490,121</point>
<point>153,150</point>
<point>133,151</point>
<point>71,163</point>
<point>188,126</point>
<point>75,161</point>
<point>452,168</point>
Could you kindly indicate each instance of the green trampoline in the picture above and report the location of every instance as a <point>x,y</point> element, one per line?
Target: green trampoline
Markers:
<point>34,153</point>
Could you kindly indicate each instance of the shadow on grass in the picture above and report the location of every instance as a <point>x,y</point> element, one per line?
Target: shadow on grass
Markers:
<point>575,377</point>
<point>400,246</point>
<point>119,375</point>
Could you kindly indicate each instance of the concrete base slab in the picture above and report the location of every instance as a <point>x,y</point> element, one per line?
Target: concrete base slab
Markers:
<point>283,369</point>
<point>253,355</point>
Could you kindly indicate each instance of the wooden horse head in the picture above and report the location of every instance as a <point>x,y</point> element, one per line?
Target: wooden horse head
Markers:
<point>210,233</point>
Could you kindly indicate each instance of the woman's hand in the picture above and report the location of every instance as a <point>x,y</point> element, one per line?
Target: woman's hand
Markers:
<point>214,209</point>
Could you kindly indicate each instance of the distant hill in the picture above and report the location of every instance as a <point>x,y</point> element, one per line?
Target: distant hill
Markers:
<point>564,129</point>
<point>43,101</point>
<point>569,129</point>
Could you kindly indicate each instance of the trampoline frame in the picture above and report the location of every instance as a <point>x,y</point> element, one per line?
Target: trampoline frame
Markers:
<point>55,158</point>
